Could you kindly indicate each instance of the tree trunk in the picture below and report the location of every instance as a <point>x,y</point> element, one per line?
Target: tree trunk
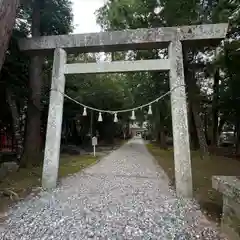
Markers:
<point>192,130</point>
<point>237,141</point>
<point>16,124</point>
<point>160,129</point>
<point>125,130</point>
<point>32,149</point>
<point>8,11</point>
<point>215,110</point>
<point>206,127</point>
<point>195,106</point>
<point>163,142</point>
<point>193,94</point>
<point>221,125</point>
<point>200,131</point>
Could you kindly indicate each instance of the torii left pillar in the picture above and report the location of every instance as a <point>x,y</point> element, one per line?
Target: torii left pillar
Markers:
<point>54,125</point>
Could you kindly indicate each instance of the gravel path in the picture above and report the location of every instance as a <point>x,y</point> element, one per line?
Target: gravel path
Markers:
<point>124,196</point>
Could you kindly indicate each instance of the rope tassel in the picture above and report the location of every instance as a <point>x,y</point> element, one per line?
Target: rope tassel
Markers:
<point>115,118</point>
<point>100,119</point>
<point>150,110</point>
<point>133,117</point>
<point>85,112</point>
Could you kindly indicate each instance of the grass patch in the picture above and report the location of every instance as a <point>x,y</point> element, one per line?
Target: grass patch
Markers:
<point>202,171</point>
<point>73,164</point>
<point>23,181</point>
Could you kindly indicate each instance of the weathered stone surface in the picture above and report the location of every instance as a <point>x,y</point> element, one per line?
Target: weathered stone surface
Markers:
<point>118,66</point>
<point>182,161</point>
<point>54,126</point>
<point>230,187</point>
<point>126,40</point>
<point>231,218</point>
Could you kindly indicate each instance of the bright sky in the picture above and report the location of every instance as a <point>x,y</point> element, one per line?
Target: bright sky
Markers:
<point>84,17</point>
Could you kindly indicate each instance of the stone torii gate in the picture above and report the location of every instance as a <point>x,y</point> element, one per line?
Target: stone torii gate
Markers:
<point>172,37</point>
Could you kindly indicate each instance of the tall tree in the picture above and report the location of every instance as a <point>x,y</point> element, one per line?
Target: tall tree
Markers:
<point>32,147</point>
<point>47,17</point>
<point>8,11</point>
<point>13,80</point>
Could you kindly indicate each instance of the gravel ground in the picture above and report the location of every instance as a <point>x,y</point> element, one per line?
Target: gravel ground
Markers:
<point>124,196</point>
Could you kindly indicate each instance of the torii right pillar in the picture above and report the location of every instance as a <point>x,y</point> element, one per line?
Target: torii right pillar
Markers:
<point>204,35</point>
<point>182,159</point>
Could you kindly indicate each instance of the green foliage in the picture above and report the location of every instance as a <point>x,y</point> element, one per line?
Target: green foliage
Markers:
<point>229,94</point>
<point>102,91</point>
<point>15,70</point>
<point>120,91</point>
<point>144,86</point>
<point>117,15</point>
<point>56,18</point>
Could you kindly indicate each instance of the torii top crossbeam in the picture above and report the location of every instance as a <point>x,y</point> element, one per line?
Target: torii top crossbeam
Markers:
<point>196,35</point>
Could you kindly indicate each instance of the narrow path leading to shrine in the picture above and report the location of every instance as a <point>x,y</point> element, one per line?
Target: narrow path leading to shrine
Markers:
<point>125,196</point>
